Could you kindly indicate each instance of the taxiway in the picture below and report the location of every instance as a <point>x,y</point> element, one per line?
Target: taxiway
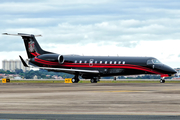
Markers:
<point>90,99</point>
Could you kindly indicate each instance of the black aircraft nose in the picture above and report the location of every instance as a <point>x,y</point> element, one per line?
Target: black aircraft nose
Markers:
<point>171,70</point>
<point>165,69</point>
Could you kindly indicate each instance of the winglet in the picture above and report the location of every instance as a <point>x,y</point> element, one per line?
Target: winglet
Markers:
<point>24,63</point>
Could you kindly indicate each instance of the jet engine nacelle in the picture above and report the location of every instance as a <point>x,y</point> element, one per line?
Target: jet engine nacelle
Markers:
<point>60,59</point>
<point>52,58</point>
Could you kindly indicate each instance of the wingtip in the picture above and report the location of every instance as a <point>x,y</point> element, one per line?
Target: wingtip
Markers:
<point>4,33</point>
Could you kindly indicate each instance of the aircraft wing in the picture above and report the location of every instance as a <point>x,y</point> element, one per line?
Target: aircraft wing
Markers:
<point>72,71</point>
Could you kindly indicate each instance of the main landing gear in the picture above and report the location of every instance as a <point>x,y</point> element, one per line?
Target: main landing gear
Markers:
<point>162,80</point>
<point>75,79</point>
<point>94,80</point>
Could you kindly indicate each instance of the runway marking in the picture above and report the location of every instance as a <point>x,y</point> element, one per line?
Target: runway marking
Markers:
<point>100,113</point>
<point>122,91</point>
<point>172,89</point>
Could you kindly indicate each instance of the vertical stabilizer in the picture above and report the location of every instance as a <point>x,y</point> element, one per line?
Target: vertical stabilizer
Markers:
<point>31,45</point>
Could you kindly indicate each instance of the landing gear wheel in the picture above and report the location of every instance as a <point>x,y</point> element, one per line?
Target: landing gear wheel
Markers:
<point>75,79</point>
<point>93,80</point>
<point>162,81</point>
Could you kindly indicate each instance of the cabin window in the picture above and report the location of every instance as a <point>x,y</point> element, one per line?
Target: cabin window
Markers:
<point>114,62</point>
<point>95,62</point>
<point>75,61</point>
<point>100,62</point>
<point>80,61</point>
<point>85,61</point>
<point>105,62</point>
<point>110,62</point>
<point>123,62</point>
<point>119,62</point>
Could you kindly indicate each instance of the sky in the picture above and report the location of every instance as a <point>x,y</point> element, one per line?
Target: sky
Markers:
<point>94,27</point>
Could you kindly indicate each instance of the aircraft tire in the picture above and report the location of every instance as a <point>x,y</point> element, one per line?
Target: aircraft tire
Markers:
<point>93,80</point>
<point>162,81</point>
<point>75,80</point>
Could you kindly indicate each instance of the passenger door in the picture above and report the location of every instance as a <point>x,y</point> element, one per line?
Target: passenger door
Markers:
<point>91,62</point>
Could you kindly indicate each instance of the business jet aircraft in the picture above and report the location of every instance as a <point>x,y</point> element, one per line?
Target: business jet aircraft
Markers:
<point>90,67</point>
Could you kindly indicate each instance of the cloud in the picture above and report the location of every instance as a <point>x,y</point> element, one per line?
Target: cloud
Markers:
<point>125,33</point>
<point>120,24</point>
<point>63,6</point>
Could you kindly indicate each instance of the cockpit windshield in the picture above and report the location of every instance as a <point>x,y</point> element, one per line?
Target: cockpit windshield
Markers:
<point>156,61</point>
<point>153,61</point>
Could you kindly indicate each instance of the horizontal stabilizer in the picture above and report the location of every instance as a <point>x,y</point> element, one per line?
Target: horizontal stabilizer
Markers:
<point>24,63</point>
<point>22,34</point>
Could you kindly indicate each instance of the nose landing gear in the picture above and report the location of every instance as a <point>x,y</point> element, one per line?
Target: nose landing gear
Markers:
<point>162,80</point>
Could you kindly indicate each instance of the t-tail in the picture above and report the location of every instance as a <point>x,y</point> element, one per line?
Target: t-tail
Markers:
<point>32,46</point>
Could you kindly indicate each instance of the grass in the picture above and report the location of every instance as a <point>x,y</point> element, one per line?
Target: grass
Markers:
<point>35,81</point>
<point>87,81</point>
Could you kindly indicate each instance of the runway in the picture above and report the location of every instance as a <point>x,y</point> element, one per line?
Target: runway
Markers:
<point>88,117</point>
<point>112,99</point>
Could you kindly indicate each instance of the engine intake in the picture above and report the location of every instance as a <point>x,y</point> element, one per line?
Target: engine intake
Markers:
<point>60,59</point>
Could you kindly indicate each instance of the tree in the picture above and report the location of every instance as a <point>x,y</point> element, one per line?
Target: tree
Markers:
<point>18,71</point>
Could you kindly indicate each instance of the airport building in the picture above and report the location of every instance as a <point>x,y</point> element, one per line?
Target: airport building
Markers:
<point>178,72</point>
<point>12,65</point>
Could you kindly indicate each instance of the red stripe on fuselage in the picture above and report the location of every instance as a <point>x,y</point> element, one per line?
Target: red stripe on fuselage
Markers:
<point>164,75</point>
<point>35,54</point>
<point>86,65</point>
<point>124,66</point>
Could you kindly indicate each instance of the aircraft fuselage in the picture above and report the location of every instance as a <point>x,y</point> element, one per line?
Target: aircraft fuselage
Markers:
<point>90,67</point>
<point>106,65</point>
